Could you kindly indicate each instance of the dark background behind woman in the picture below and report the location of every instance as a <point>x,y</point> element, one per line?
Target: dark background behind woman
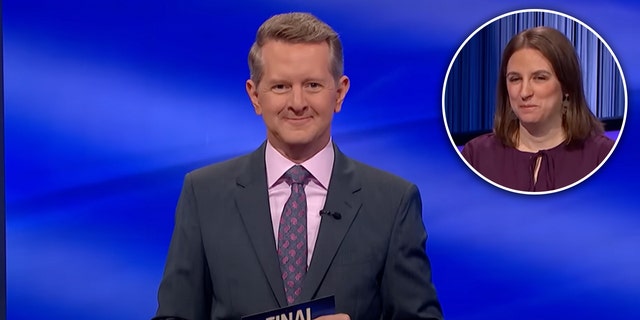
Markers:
<point>471,85</point>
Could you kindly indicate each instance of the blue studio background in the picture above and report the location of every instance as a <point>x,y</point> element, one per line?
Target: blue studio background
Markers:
<point>109,103</point>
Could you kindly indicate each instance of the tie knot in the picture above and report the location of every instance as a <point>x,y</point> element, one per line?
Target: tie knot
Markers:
<point>297,174</point>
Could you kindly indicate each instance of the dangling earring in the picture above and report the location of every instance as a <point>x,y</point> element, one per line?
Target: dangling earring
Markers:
<point>565,103</point>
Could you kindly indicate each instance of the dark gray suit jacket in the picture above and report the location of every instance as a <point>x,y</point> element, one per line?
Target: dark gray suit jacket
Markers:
<point>222,261</point>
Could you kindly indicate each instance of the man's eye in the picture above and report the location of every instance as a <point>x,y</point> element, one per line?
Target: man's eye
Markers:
<point>314,86</point>
<point>279,88</point>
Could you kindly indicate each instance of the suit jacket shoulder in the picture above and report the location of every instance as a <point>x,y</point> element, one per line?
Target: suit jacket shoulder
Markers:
<point>221,172</point>
<point>374,177</point>
<point>381,189</point>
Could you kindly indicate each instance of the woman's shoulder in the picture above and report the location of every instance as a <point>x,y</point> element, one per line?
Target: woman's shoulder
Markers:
<point>599,144</point>
<point>480,146</point>
<point>487,140</point>
<point>601,140</point>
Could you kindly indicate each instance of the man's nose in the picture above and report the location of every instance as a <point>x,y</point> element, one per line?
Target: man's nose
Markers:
<point>297,99</point>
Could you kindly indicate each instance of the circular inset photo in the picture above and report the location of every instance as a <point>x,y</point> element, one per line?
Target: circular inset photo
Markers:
<point>534,101</point>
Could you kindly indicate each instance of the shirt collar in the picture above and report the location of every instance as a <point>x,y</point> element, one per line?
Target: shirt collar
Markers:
<point>320,165</point>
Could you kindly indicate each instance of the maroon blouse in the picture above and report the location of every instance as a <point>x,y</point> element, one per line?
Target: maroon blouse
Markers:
<point>559,167</point>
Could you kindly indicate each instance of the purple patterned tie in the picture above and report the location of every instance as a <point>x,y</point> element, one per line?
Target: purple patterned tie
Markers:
<point>292,233</point>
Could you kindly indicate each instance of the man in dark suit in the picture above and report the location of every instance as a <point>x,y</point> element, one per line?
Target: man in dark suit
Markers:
<point>297,219</point>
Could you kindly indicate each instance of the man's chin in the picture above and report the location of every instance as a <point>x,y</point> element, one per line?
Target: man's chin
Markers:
<point>302,142</point>
<point>298,143</point>
<point>299,140</point>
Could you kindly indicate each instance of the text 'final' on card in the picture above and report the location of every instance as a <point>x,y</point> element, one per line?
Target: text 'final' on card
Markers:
<point>302,311</point>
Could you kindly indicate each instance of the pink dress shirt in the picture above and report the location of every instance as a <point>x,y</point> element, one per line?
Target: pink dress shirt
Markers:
<point>320,166</point>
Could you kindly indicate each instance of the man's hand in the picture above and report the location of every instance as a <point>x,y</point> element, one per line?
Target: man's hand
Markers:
<point>339,316</point>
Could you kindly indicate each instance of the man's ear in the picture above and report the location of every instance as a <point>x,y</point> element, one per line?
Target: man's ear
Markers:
<point>341,90</point>
<point>252,92</point>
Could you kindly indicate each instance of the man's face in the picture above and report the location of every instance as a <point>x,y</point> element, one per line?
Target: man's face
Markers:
<point>297,95</point>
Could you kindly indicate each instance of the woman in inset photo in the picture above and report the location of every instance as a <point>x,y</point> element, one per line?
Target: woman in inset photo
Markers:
<point>544,135</point>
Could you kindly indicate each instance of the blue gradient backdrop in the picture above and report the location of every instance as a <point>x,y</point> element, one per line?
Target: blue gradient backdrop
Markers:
<point>110,103</point>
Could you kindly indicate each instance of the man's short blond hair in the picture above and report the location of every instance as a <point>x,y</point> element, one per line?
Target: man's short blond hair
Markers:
<point>295,27</point>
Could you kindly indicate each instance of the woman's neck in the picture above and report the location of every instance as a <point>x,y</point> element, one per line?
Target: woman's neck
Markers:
<point>534,139</point>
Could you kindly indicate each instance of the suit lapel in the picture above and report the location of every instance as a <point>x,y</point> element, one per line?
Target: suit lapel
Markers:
<point>342,197</point>
<point>252,201</point>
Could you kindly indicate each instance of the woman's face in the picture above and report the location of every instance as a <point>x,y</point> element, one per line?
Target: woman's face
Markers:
<point>535,94</point>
